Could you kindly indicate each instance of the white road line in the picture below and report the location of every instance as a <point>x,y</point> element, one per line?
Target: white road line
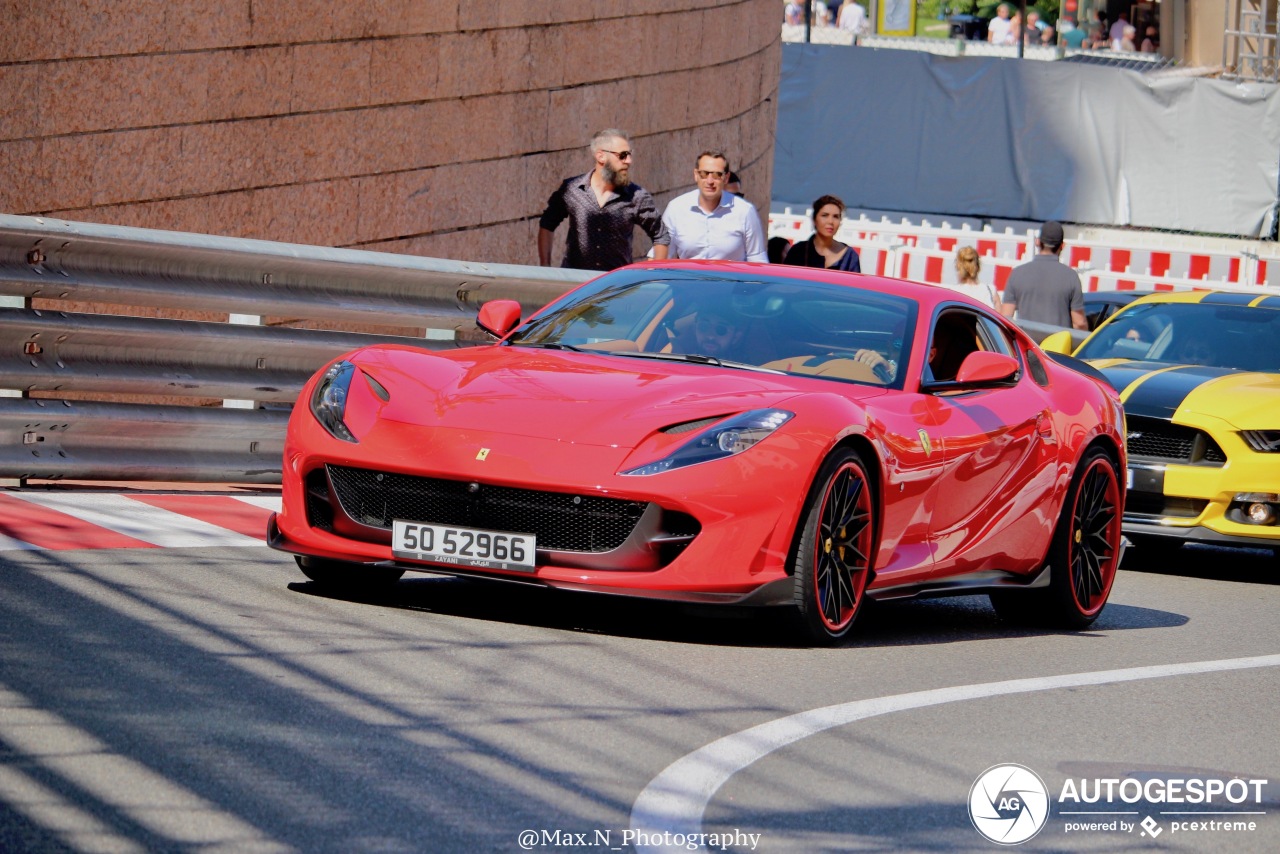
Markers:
<point>675,801</point>
<point>141,521</point>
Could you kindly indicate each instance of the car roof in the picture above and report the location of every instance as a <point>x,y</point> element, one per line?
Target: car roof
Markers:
<point>1240,298</point>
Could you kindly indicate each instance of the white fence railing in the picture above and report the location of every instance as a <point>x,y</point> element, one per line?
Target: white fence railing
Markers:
<point>923,250</point>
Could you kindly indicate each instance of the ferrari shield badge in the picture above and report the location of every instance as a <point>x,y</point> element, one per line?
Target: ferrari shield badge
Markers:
<point>925,443</point>
<point>484,452</point>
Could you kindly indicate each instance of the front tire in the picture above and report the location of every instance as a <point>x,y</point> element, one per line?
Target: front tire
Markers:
<point>833,557</point>
<point>1083,557</point>
<point>346,577</point>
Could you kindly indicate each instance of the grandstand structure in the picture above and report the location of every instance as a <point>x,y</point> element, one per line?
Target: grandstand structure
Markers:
<point>1249,41</point>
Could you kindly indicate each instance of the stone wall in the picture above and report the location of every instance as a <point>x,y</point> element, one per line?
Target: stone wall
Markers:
<point>428,127</point>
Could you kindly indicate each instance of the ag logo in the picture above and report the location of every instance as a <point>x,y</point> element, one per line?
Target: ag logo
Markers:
<point>1008,804</point>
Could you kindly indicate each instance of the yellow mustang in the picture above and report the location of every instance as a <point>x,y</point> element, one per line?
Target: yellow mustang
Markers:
<point>1199,375</point>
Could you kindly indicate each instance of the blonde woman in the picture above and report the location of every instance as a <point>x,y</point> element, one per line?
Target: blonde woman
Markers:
<point>968,265</point>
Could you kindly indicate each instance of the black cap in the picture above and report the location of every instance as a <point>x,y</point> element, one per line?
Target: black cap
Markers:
<point>1051,233</point>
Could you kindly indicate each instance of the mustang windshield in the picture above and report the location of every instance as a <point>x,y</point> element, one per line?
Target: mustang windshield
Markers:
<point>1223,336</point>
<point>805,328</point>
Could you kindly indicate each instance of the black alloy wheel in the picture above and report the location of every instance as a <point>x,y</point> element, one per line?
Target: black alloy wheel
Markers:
<point>833,560</point>
<point>1083,557</point>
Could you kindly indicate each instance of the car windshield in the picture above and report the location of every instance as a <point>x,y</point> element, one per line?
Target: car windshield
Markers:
<point>778,324</point>
<point>1225,336</point>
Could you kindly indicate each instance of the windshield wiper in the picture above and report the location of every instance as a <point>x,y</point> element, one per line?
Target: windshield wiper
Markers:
<point>696,358</point>
<point>549,345</point>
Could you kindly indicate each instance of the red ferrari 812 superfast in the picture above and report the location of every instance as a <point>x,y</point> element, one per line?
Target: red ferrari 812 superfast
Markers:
<point>717,432</point>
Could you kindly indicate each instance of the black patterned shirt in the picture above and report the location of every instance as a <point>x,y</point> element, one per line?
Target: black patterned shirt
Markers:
<point>600,235</point>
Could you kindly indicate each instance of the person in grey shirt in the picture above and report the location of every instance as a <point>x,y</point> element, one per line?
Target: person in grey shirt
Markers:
<point>1044,290</point>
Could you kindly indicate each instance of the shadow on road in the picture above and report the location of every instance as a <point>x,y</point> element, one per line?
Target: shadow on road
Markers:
<point>1194,560</point>
<point>898,623</point>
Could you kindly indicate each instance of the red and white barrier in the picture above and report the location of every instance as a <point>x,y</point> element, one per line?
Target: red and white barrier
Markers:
<point>925,252</point>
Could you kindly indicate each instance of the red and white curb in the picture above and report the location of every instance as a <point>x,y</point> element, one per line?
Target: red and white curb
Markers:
<point>57,521</point>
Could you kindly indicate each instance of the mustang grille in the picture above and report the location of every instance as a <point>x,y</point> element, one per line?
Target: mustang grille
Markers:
<point>561,521</point>
<point>1155,439</point>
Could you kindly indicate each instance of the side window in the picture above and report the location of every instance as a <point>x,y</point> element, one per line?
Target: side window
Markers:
<point>993,337</point>
<point>1036,366</point>
<point>954,336</point>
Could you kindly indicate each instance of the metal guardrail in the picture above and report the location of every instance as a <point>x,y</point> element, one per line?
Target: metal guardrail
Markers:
<point>56,259</point>
<point>64,352</point>
<point>83,440</point>
<point>53,352</point>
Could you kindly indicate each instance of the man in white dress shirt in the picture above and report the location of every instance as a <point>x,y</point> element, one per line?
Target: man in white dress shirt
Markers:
<point>711,223</point>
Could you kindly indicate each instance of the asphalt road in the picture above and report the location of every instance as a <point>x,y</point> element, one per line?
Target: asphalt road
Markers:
<point>178,700</point>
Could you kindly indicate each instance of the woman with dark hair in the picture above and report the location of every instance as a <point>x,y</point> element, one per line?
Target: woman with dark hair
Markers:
<point>822,249</point>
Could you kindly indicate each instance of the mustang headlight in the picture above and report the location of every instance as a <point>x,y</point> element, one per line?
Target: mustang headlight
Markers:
<point>726,439</point>
<point>329,400</point>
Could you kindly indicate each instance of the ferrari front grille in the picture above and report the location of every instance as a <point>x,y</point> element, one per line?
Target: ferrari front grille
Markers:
<point>561,521</point>
<point>1158,440</point>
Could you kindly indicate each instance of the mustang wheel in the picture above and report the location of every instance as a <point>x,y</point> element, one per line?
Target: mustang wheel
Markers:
<point>348,577</point>
<point>1084,555</point>
<point>833,558</point>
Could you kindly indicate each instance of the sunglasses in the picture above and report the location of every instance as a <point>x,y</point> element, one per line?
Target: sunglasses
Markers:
<point>714,327</point>
<point>621,155</point>
<point>704,174</point>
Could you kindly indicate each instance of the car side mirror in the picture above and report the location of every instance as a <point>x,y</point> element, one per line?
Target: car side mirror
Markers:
<point>980,369</point>
<point>1058,342</point>
<point>498,317</point>
<point>984,368</point>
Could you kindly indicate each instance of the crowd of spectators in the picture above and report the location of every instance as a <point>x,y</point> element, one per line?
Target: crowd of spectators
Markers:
<point>847,15</point>
<point>1005,28</point>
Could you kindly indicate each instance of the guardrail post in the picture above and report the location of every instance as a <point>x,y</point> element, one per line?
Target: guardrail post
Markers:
<point>243,320</point>
<point>13,302</point>
<point>435,334</point>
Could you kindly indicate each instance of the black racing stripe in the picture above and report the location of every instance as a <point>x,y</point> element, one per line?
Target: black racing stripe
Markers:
<point>1269,302</point>
<point>1228,299</point>
<point>1160,396</point>
<point>1122,375</point>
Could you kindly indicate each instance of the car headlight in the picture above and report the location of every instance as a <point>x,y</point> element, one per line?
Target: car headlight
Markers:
<point>726,439</point>
<point>329,400</point>
<point>1262,441</point>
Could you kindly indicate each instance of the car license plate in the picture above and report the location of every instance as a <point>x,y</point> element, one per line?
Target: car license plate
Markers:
<point>1128,480</point>
<point>463,546</point>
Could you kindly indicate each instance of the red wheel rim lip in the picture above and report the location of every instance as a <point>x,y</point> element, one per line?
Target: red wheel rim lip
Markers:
<point>858,581</point>
<point>1107,568</point>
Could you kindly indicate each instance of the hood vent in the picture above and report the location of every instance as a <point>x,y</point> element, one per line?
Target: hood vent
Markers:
<point>689,426</point>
